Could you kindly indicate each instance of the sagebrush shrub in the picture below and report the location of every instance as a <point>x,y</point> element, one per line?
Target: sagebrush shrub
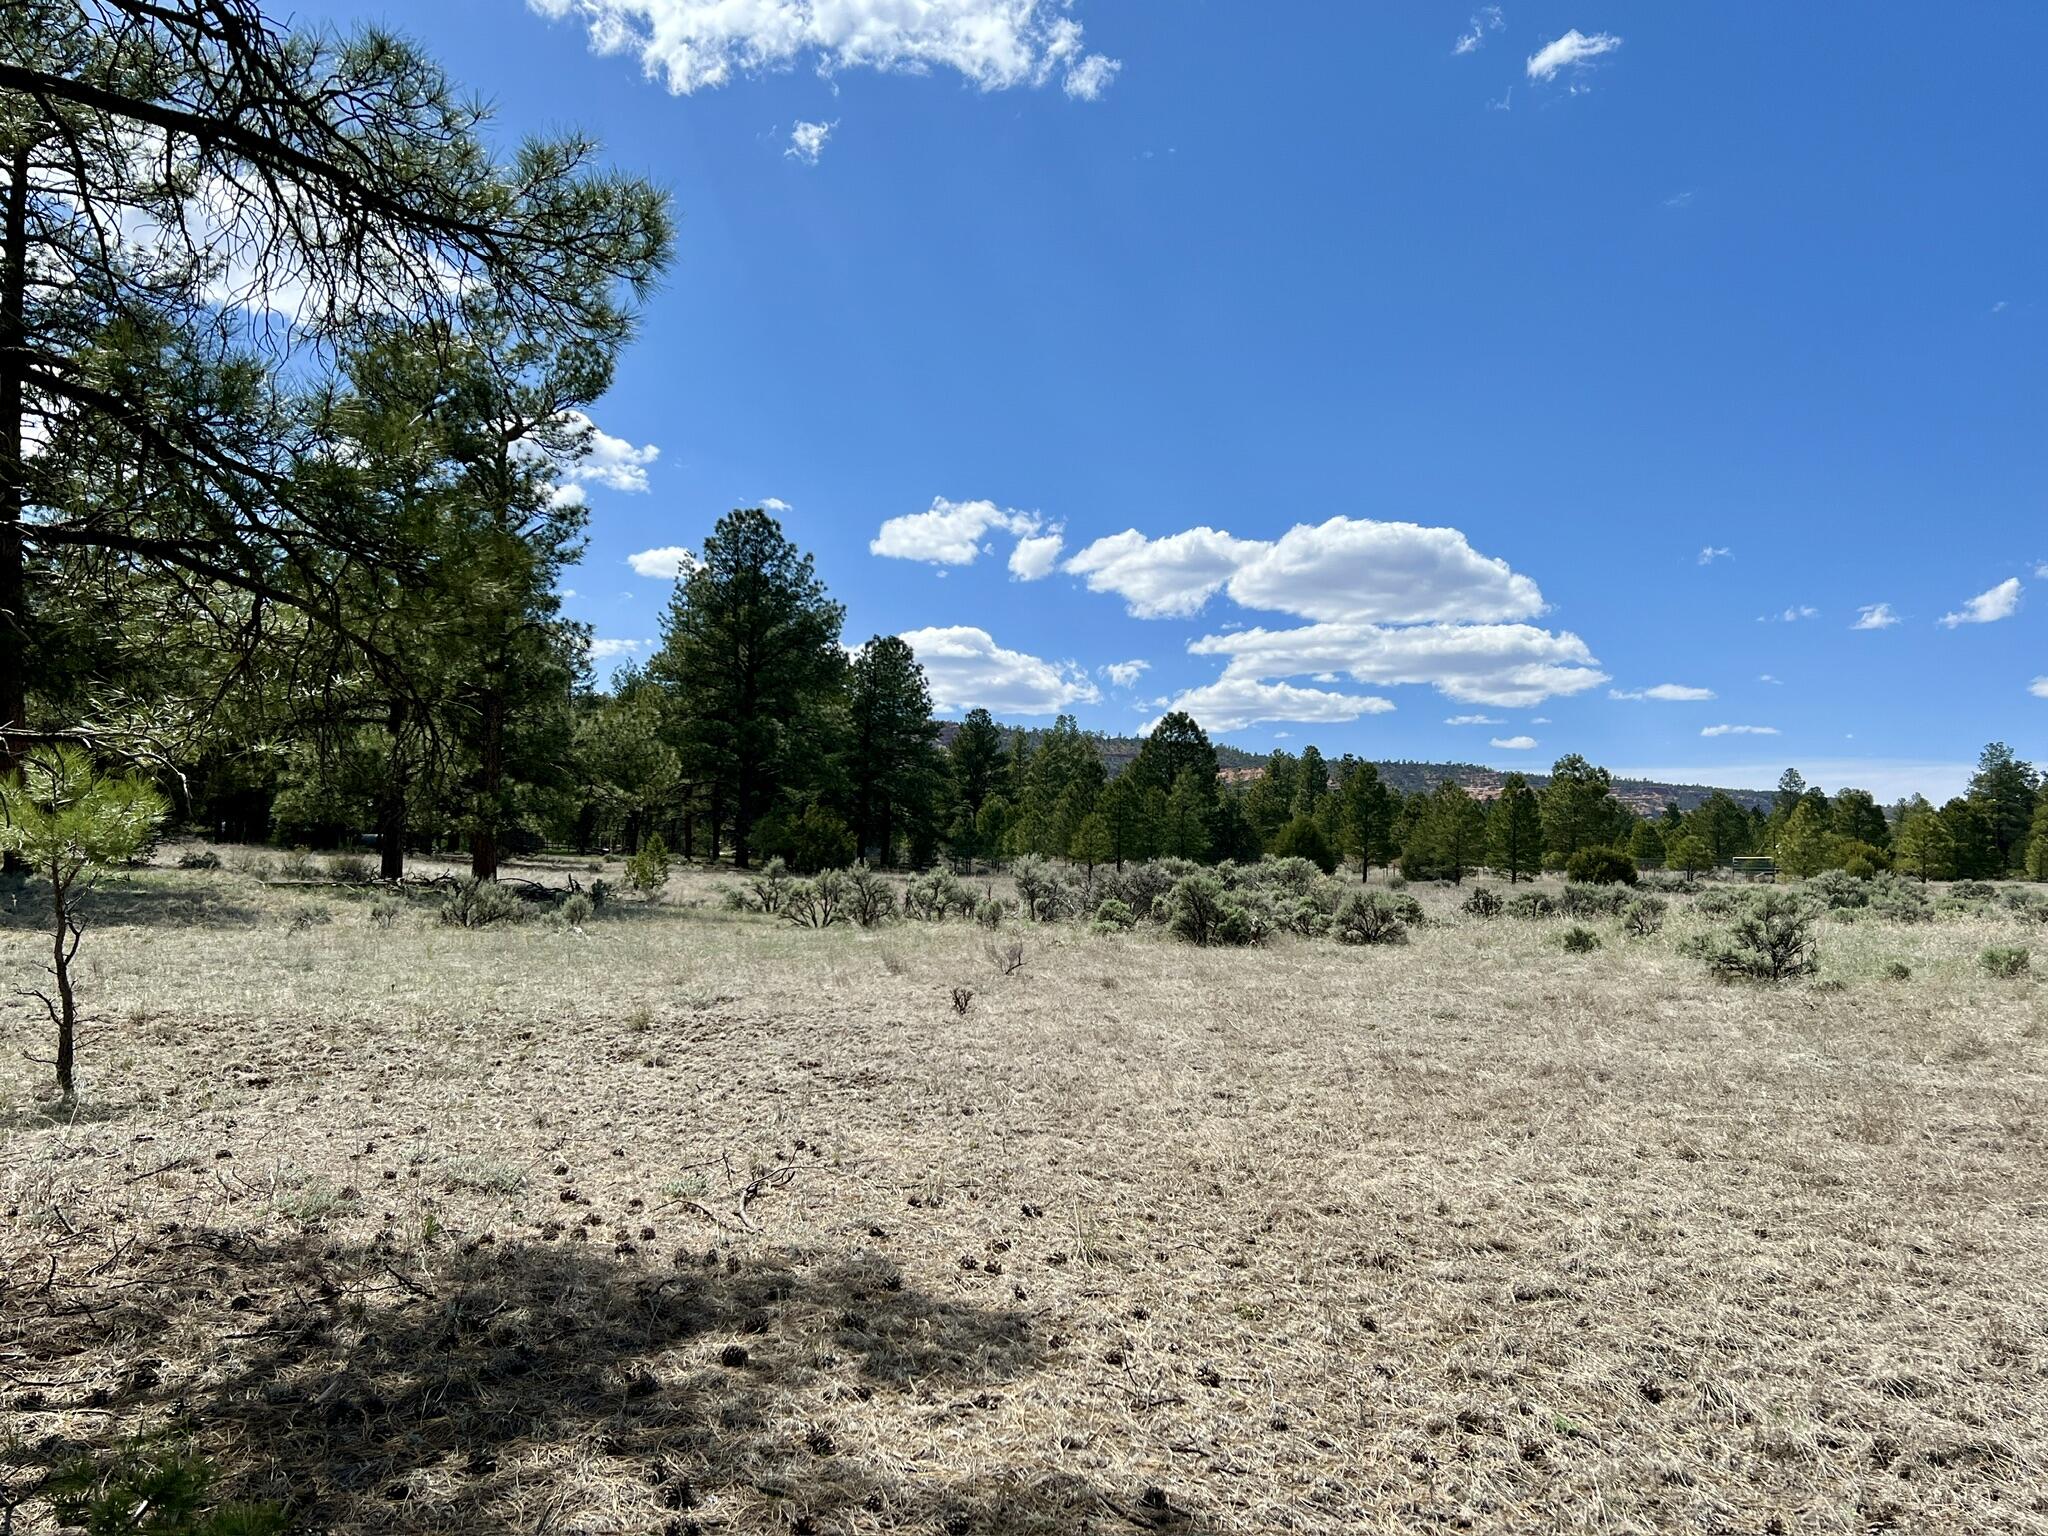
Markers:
<point>205,858</point>
<point>1531,904</point>
<point>2006,961</point>
<point>870,898</point>
<point>385,912</point>
<point>351,869</point>
<point>576,908</point>
<point>1582,900</point>
<point>297,864</point>
<point>1838,890</point>
<point>1373,917</point>
<point>990,911</point>
<point>1897,970</point>
<point>1579,941</point>
<point>1644,916</point>
<point>1113,916</point>
<point>936,895</point>
<point>1043,895</point>
<point>818,902</point>
<point>474,903</point>
<point>1772,939</point>
<point>1140,886</point>
<point>769,887</point>
<point>1484,902</point>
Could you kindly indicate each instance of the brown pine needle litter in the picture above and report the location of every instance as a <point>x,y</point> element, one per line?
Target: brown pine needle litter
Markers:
<point>690,1220</point>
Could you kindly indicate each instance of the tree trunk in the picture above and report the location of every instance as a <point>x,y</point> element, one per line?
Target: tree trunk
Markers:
<point>62,945</point>
<point>13,470</point>
<point>391,812</point>
<point>483,840</point>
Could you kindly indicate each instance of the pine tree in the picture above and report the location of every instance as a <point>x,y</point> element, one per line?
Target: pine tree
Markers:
<point>344,172</point>
<point>1578,810</point>
<point>1803,842</point>
<point>1515,831</point>
<point>2003,790</point>
<point>1184,826</point>
<point>750,651</point>
<point>1091,844</point>
<point>1646,844</point>
<point>1132,834</point>
<point>69,824</point>
<point>1368,819</point>
<point>1922,843</point>
<point>889,761</point>
<point>2037,841</point>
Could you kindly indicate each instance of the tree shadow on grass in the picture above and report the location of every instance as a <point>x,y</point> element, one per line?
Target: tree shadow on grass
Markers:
<point>191,902</point>
<point>545,1386</point>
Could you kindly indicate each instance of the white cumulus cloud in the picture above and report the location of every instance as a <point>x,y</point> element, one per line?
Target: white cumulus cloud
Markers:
<point>1875,616</point>
<point>1987,607</point>
<point>693,45</point>
<point>1514,743</point>
<point>1508,666</point>
<point>1740,730</point>
<point>603,648</point>
<point>1161,578</point>
<point>1574,50</point>
<point>665,563</point>
<point>966,668</point>
<point>807,141</point>
<point>611,461</point>
<point>1034,558</point>
<point>2039,688</point>
<point>1126,673</point>
<point>949,532</point>
<point>1352,569</point>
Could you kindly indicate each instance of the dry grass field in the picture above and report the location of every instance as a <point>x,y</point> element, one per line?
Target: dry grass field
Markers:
<point>690,1220</point>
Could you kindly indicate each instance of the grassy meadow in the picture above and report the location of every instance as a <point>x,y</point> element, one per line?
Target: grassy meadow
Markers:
<point>688,1219</point>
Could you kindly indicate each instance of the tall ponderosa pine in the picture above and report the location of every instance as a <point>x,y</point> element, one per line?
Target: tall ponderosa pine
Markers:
<point>1514,831</point>
<point>2003,790</point>
<point>248,169</point>
<point>890,764</point>
<point>1368,819</point>
<point>1579,809</point>
<point>750,653</point>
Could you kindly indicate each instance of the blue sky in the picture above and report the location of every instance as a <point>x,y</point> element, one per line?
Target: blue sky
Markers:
<point>1377,367</point>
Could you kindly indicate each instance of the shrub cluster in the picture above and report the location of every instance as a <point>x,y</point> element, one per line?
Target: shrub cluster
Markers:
<point>1771,939</point>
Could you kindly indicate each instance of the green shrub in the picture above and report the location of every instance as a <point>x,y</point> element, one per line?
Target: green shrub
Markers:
<point>1044,896</point>
<point>1579,941</point>
<point>648,870</point>
<point>1772,939</point>
<point>1140,886</point>
<point>2006,961</point>
<point>768,888</point>
<point>385,912</point>
<point>1897,970</point>
<point>1194,909</point>
<point>870,898</point>
<point>1973,890</point>
<point>203,859</point>
<point>297,865</point>
<point>1582,900</point>
<point>1484,902</point>
<point>351,869</point>
<point>818,839</point>
<point>936,895</point>
<point>990,911</point>
<point>1838,890</point>
<point>1644,916</point>
<point>1600,866</point>
<point>1531,904</point>
<point>576,909</point>
<point>1113,916</point>
<point>474,903</point>
<point>818,902</point>
<point>1375,917</point>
